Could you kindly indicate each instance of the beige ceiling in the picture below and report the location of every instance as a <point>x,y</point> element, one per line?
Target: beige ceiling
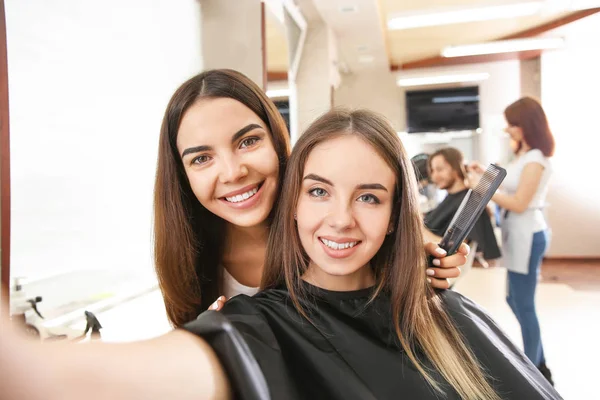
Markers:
<point>412,44</point>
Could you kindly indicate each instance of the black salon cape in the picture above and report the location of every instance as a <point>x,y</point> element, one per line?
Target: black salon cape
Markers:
<point>269,351</point>
<point>438,220</point>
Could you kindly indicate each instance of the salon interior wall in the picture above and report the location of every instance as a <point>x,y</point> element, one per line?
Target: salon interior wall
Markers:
<point>531,78</point>
<point>311,87</point>
<point>569,90</point>
<point>232,37</point>
<point>88,84</point>
<point>378,91</point>
<point>372,89</point>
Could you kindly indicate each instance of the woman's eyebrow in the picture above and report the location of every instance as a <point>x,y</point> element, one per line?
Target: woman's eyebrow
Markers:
<point>234,138</point>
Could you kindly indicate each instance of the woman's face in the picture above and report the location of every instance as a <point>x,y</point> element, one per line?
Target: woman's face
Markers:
<point>515,132</point>
<point>344,211</point>
<point>229,159</point>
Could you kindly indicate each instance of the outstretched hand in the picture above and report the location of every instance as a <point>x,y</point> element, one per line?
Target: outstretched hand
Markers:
<point>476,167</point>
<point>475,171</point>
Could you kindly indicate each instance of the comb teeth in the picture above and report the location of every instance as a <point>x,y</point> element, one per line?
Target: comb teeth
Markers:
<point>478,194</point>
<point>471,207</point>
<point>492,177</point>
<point>486,180</point>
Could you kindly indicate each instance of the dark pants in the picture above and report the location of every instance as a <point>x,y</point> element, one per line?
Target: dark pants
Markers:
<point>521,299</point>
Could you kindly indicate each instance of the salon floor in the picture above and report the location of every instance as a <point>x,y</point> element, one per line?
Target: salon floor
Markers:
<point>568,306</point>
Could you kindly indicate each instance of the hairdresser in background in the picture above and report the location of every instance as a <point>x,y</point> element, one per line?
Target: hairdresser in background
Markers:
<point>524,228</point>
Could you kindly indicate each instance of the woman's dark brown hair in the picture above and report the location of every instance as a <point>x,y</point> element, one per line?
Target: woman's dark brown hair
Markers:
<point>420,322</point>
<point>188,239</point>
<point>527,113</point>
<point>453,157</point>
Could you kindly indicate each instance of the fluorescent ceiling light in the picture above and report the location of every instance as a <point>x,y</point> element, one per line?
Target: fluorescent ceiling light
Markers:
<point>440,79</point>
<point>348,8</point>
<point>455,16</point>
<point>583,4</point>
<point>503,46</point>
<point>278,93</point>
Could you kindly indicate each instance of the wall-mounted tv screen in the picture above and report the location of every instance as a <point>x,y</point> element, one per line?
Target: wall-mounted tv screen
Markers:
<point>442,110</point>
<point>283,106</point>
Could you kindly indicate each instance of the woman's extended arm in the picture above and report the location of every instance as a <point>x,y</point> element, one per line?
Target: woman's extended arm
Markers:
<point>528,184</point>
<point>177,365</point>
<point>529,181</point>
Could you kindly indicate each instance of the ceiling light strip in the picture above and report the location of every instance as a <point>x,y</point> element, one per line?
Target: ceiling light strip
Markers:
<point>455,16</point>
<point>503,46</point>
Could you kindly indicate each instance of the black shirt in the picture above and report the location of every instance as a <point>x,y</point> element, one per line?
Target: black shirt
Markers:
<point>350,350</point>
<point>438,220</point>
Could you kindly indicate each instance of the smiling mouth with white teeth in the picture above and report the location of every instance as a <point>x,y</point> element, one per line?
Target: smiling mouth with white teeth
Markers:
<point>338,246</point>
<point>243,196</point>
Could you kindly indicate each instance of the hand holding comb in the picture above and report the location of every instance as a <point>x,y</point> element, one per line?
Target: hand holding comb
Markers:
<point>471,208</point>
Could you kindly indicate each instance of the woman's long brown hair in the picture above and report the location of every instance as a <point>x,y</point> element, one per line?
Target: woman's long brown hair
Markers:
<point>188,239</point>
<point>420,321</point>
<point>528,114</point>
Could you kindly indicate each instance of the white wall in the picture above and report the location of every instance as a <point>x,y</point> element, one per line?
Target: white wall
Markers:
<point>531,78</point>
<point>378,91</point>
<point>311,92</point>
<point>495,93</point>
<point>375,90</point>
<point>88,84</point>
<point>570,87</point>
<point>234,38</point>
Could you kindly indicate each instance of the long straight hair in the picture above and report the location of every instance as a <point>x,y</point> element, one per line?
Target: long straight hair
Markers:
<point>188,239</point>
<point>420,321</point>
<point>528,114</point>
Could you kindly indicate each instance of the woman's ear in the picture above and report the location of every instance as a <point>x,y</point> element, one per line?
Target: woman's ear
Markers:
<point>296,216</point>
<point>390,228</point>
<point>393,221</point>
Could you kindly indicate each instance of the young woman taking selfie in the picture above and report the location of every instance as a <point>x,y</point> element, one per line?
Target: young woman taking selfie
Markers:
<point>222,155</point>
<point>343,311</point>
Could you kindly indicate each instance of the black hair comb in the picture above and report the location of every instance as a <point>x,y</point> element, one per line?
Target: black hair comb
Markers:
<point>471,208</point>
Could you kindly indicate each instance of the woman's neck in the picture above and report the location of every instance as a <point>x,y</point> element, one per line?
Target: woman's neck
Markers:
<point>244,253</point>
<point>457,186</point>
<point>524,148</point>
<point>361,279</point>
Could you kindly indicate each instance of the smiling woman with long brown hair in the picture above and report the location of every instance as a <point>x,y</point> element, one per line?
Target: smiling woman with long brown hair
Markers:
<point>222,153</point>
<point>344,312</point>
<point>344,254</point>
